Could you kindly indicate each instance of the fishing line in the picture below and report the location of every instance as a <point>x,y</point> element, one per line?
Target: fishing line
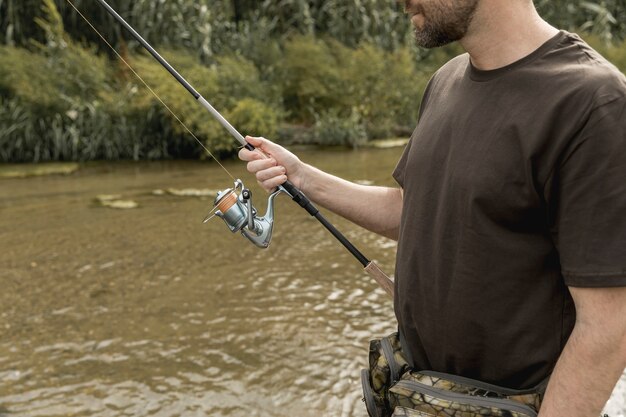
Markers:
<point>243,217</point>
<point>151,90</point>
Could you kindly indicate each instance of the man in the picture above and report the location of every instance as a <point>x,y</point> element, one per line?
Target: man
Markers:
<point>511,219</point>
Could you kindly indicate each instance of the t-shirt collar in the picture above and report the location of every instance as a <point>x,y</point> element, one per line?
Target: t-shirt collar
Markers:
<point>476,74</point>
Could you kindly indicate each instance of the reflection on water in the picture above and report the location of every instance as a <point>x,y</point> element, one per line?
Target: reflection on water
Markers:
<point>147,312</point>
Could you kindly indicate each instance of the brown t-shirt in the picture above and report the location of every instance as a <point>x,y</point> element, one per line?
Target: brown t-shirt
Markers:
<point>514,188</point>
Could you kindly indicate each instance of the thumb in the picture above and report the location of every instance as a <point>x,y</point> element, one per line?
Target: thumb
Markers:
<point>257,142</point>
<point>261,144</point>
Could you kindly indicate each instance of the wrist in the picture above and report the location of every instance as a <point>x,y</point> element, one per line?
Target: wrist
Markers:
<point>303,173</point>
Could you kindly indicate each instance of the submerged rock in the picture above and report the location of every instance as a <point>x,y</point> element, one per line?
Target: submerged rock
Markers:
<point>36,170</point>
<point>115,201</point>
<point>187,192</point>
<point>387,143</point>
<point>121,204</point>
<point>108,197</point>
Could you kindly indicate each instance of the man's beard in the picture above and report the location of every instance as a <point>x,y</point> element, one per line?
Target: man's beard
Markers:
<point>443,25</point>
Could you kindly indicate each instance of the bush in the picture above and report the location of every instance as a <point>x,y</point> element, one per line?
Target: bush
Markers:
<point>238,78</point>
<point>41,81</point>
<point>341,95</point>
<point>84,133</point>
<point>64,103</point>
<point>334,129</point>
<point>312,82</point>
<point>384,88</point>
<point>232,86</point>
<point>252,117</point>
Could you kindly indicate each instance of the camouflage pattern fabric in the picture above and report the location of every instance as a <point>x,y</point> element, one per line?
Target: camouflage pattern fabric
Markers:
<point>409,412</point>
<point>380,369</point>
<point>531,400</point>
<point>379,364</point>
<point>410,393</point>
<point>431,394</point>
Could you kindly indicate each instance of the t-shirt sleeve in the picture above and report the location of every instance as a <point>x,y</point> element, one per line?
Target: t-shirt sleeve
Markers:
<point>399,171</point>
<point>587,201</point>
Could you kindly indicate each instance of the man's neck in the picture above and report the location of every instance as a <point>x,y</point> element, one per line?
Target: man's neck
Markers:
<point>504,32</point>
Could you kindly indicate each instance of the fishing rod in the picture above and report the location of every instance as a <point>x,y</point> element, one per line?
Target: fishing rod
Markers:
<point>234,205</point>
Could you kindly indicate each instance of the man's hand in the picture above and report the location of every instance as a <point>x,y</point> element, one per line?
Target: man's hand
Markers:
<point>375,208</point>
<point>272,164</point>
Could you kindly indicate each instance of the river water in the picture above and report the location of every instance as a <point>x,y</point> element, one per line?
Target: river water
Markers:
<point>148,312</point>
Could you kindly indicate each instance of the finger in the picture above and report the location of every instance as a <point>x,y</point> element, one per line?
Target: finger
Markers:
<point>254,140</point>
<point>269,190</point>
<point>260,165</point>
<point>272,183</point>
<point>246,155</point>
<point>268,174</point>
<point>257,142</point>
<point>263,146</point>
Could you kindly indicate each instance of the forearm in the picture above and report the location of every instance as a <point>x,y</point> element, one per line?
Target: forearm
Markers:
<point>375,208</point>
<point>587,371</point>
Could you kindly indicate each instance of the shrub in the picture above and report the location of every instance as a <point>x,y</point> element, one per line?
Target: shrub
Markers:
<point>252,117</point>
<point>312,82</point>
<point>238,78</point>
<point>332,128</point>
<point>232,86</point>
<point>85,133</point>
<point>42,82</point>
<point>176,98</point>
<point>384,88</point>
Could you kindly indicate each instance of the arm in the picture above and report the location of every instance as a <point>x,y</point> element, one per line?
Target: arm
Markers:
<point>374,208</point>
<point>594,356</point>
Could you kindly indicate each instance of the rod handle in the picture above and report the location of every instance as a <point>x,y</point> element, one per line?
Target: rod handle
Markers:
<point>380,277</point>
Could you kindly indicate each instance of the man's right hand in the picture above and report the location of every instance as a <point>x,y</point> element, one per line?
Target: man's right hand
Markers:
<point>376,208</point>
<point>272,164</point>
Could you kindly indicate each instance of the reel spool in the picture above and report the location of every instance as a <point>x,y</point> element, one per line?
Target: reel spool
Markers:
<point>234,206</point>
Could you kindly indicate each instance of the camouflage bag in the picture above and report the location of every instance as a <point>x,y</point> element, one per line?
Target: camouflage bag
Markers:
<point>437,394</point>
<point>387,363</point>
<point>391,388</point>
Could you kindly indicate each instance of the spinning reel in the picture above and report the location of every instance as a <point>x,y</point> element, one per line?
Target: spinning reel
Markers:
<point>234,206</point>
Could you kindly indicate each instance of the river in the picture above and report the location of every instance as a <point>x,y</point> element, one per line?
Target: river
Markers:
<point>148,312</point>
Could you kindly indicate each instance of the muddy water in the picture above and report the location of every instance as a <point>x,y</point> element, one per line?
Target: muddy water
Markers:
<point>147,312</point>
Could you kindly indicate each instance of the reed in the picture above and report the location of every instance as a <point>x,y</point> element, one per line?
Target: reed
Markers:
<point>327,72</point>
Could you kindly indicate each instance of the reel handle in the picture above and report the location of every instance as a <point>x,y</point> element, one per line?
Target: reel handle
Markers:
<point>247,196</point>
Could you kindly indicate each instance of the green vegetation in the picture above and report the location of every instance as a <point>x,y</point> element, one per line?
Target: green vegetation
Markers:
<point>325,71</point>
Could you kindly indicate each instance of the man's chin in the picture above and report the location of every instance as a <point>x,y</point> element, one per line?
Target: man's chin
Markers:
<point>430,40</point>
<point>418,21</point>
